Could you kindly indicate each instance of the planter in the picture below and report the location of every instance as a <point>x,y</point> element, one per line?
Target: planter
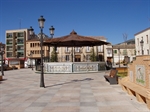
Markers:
<point>122,69</point>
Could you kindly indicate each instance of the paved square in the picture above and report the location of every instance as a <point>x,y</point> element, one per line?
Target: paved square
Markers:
<point>21,92</point>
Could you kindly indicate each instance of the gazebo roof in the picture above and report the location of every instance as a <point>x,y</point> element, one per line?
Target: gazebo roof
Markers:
<point>73,40</point>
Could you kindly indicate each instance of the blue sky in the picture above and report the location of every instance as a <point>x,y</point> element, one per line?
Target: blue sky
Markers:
<point>108,18</point>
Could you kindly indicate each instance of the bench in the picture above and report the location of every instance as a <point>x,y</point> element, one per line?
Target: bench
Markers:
<point>142,94</point>
<point>112,78</point>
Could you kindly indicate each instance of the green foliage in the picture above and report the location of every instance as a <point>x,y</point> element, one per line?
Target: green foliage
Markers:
<point>140,81</point>
<point>122,74</point>
<point>54,56</point>
<point>92,55</point>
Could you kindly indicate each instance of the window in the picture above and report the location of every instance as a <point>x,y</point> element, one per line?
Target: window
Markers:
<point>100,48</point>
<point>124,52</point>
<point>87,49</point>
<point>77,49</point>
<point>20,34</point>
<point>57,49</point>
<point>109,51</point>
<point>115,51</point>
<point>66,49</point>
<point>10,34</point>
<point>147,38</point>
<point>148,51</point>
<point>67,57</point>
<point>138,41</point>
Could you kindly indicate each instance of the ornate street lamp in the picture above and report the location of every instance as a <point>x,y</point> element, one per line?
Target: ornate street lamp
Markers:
<point>31,31</point>
<point>41,21</point>
<point>142,43</point>
<point>51,29</point>
<point>2,53</point>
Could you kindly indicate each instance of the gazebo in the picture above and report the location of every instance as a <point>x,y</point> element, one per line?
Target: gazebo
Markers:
<point>72,40</point>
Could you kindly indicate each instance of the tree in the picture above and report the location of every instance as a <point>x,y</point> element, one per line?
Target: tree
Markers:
<point>54,55</point>
<point>92,55</point>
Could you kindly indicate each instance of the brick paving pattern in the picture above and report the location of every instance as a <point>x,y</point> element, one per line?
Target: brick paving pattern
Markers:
<point>20,92</point>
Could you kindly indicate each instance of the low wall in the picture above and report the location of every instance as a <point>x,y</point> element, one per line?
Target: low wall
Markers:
<point>73,67</point>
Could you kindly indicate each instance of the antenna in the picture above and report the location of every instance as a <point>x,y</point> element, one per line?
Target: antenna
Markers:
<point>20,23</point>
<point>149,20</point>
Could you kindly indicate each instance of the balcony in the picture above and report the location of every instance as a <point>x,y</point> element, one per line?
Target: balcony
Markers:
<point>20,50</point>
<point>20,37</point>
<point>9,49</point>
<point>9,44</point>
<point>9,37</point>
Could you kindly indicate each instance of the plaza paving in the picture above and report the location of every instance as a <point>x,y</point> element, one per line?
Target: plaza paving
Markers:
<point>20,92</point>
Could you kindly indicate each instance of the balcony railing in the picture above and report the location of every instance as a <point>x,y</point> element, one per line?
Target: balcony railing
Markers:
<point>20,37</point>
<point>9,44</point>
<point>20,50</point>
<point>9,37</point>
<point>20,43</point>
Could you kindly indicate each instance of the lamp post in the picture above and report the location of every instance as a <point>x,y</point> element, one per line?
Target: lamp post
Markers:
<point>41,21</point>
<point>2,53</point>
<point>119,55</point>
<point>142,43</point>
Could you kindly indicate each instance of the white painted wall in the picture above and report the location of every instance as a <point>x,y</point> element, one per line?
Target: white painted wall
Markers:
<point>146,46</point>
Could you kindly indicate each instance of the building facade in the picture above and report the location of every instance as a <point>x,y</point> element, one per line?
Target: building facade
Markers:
<point>66,54</point>
<point>145,36</point>
<point>16,47</point>
<point>3,46</point>
<point>122,50</point>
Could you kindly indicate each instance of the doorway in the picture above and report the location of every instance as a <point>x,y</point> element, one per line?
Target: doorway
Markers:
<point>77,58</point>
<point>100,57</point>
